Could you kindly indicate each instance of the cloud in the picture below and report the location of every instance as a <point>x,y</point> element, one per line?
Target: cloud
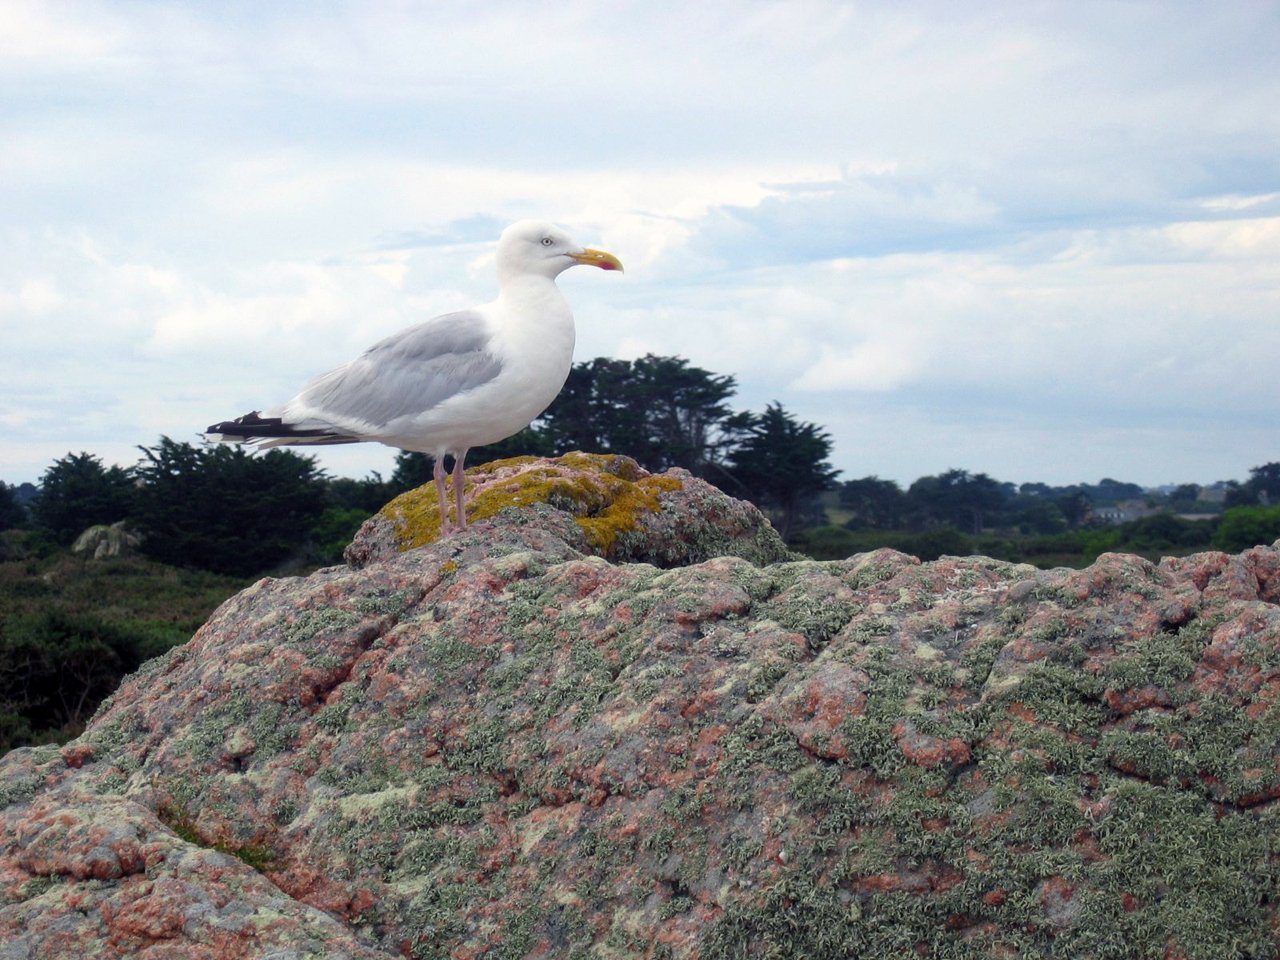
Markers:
<point>923,225</point>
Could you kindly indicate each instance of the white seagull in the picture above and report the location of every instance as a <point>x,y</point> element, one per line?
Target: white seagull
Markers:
<point>457,381</point>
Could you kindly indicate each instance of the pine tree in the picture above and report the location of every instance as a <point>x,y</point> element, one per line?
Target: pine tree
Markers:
<point>221,509</point>
<point>782,464</point>
<point>78,492</point>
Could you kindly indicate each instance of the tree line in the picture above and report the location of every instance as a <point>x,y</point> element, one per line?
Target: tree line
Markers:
<point>975,502</point>
<point>234,512</point>
<point>224,509</point>
<point>962,513</point>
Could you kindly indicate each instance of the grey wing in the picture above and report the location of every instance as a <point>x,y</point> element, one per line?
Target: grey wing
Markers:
<point>407,373</point>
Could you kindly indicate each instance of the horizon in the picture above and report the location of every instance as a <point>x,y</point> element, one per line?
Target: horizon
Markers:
<point>903,483</point>
<point>1043,238</point>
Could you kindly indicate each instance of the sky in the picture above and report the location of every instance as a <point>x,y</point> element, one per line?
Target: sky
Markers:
<point>1036,240</point>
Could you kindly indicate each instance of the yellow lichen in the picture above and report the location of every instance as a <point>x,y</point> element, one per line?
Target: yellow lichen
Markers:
<point>606,494</point>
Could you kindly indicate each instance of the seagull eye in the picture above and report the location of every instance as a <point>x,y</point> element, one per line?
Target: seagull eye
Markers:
<point>546,241</point>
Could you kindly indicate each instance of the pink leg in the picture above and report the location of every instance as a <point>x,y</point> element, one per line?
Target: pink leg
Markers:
<point>460,486</point>
<point>438,474</point>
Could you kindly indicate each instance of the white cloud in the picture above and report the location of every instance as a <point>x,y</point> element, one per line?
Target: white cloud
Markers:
<point>872,366</point>
<point>43,35</point>
<point>928,224</point>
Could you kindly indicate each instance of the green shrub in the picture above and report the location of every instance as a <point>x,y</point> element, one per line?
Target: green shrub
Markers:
<point>59,667</point>
<point>335,529</point>
<point>1244,527</point>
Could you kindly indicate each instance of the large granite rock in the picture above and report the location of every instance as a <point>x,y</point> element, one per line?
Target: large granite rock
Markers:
<point>502,745</point>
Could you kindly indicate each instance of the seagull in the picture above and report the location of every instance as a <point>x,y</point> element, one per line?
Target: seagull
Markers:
<point>453,382</point>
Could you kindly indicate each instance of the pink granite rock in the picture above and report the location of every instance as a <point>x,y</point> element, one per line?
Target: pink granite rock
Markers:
<point>504,745</point>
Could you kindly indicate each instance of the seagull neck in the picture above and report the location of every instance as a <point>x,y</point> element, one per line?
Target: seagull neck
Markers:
<point>528,288</point>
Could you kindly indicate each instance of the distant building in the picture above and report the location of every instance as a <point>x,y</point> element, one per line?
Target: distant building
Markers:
<point>1122,512</point>
<point>1214,493</point>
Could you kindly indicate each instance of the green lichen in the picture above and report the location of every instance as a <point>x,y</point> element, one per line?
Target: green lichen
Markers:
<point>384,603</point>
<point>38,886</point>
<point>19,789</point>
<point>309,624</point>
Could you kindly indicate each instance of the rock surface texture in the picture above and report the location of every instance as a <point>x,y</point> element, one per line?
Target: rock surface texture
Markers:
<point>523,742</point>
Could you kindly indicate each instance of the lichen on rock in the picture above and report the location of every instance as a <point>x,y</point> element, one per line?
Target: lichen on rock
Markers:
<point>622,512</point>
<point>509,744</point>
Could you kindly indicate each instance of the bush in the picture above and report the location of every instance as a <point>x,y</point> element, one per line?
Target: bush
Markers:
<point>1164,531</point>
<point>944,541</point>
<point>57,668</point>
<point>1245,527</point>
<point>333,531</point>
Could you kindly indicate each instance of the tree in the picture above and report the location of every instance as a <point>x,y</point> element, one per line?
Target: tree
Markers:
<point>658,410</point>
<point>1042,515</point>
<point>1262,487</point>
<point>781,463</point>
<point>222,509</point>
<point>412,470</point>
<point>1074,507</point>
<point>78,492</point>
<point>1183,498</point>
<point>958,497</point>
<point>876,503</point>
<point>12,512</point>
<point>1107,490</point>
<point>1266,481</point>
<point>367,495</point>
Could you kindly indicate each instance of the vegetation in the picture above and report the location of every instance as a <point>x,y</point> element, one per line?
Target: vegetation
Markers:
<point>1262,488</point>
<point>959,513</point>
<point>658,410</point>
<point>1243,527</point>
<point>1153,537</point>
<point>781,464</point>
<point>12,513</point>
<point>72,628</point>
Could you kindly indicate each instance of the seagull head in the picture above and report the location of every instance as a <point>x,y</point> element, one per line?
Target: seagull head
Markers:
<point>532,246</point>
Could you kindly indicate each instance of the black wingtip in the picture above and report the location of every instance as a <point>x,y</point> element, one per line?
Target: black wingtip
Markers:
<point>254,426</point>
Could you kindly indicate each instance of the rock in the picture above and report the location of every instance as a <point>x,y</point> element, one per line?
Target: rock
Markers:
<point>103,541</point>
<point>504,745</point>
<point>601,504</point>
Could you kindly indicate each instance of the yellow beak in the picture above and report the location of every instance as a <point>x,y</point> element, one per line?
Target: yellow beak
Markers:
<point>598,258</point>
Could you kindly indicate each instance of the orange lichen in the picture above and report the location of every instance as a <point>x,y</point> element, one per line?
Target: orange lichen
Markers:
<point>606,494</point>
